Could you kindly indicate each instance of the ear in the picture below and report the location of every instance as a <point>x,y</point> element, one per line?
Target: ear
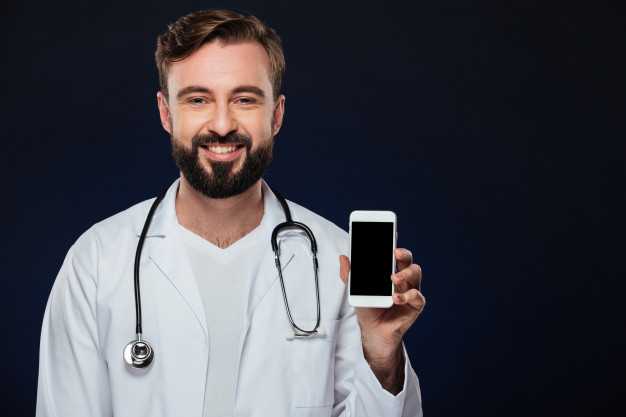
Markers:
<point>164,112</point>
<point>279,111</point>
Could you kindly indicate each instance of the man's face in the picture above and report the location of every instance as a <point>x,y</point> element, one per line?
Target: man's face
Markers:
<point>222,117</point>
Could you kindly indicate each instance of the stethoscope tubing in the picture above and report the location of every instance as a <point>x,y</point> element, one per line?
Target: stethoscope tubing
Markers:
<point>142,239</point>
<point>289,223</point>
<point>317,296</point>
<point>139,354</point>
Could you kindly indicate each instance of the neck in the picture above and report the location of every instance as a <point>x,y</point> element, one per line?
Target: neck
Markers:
<point>220,221</point>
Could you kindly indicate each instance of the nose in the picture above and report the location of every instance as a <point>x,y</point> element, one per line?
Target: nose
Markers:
<point>222,121</point>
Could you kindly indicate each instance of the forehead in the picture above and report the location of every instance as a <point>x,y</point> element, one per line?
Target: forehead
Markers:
<point>222,67</point>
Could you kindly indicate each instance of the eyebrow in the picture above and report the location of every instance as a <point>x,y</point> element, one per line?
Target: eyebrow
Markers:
<point>249,89</point>
<point>241,89</point>
<point>193,89</point>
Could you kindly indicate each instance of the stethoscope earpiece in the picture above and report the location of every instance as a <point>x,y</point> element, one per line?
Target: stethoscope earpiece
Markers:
<point>138,354</point>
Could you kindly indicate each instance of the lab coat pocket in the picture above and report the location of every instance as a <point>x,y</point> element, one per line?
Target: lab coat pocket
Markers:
<point>314,366</point>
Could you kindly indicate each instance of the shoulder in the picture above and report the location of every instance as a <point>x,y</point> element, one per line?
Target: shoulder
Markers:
<point>322,228</point>
<point>119,228</point>
<point>107,244</point>
<point>130,220</point>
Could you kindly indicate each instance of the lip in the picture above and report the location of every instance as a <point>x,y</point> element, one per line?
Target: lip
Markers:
<point>229,156</point>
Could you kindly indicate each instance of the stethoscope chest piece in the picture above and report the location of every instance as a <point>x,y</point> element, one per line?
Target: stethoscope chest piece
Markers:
<point>138,354</point>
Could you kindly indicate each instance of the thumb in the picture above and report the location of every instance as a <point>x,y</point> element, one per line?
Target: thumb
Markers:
<point>344,268</point>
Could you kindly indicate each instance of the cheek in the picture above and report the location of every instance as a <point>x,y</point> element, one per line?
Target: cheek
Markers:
<point>259,126</point>
<point>186,125</point>
<point>269,123</point>
<point>266,130</point>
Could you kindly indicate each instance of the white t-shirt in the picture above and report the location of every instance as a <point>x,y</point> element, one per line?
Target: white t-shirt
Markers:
<point>221,275</point>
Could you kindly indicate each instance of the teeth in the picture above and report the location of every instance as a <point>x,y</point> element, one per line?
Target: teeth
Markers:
<point>222,149</point>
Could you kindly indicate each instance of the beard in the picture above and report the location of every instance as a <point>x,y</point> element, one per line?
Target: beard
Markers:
<point>221,182</point>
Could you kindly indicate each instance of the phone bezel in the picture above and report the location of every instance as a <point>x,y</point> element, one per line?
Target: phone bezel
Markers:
<point>377,301</point>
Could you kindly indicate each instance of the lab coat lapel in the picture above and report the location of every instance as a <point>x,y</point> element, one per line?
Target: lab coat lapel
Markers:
<point>263,272</point>
<point>170,256</point>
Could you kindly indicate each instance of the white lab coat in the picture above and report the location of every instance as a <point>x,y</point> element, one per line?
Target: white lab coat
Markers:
<point>90,317</point>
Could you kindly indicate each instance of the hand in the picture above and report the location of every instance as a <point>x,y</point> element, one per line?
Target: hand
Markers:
<point>382,328</point>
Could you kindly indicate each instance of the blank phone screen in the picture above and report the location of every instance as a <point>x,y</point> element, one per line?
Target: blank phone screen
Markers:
<point>371,257</point>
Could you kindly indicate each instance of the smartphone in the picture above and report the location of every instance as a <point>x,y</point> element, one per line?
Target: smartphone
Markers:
<point>372,242</point>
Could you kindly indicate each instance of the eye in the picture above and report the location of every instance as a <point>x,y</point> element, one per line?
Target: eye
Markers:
<point>196,101</point>
<point>245,100</point>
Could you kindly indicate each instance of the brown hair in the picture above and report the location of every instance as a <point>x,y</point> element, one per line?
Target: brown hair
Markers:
<point>190,32</point>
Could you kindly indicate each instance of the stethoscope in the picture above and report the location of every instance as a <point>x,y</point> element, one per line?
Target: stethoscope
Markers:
<point>139,354</point>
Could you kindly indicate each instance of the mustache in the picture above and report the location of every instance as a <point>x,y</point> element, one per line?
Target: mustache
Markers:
<point>212,138</point>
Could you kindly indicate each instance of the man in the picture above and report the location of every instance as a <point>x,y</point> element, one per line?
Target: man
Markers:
<point>212,303</point>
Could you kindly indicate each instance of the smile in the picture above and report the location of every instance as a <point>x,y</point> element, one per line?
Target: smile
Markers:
<point>223,152</point>
<point>221,149</point>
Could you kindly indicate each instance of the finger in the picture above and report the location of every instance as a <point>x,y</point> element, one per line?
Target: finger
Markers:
<point>404,257</point>
<point>344,268</point>
<point>412,297</point>
<point>410,277</point>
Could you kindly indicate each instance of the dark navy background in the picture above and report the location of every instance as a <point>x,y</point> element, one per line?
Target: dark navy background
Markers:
<point>494,129</point>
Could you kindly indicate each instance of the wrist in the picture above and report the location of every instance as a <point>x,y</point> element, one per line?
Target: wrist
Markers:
<point>387,364</point>
<point>380,348</point>
<point>386,357</point>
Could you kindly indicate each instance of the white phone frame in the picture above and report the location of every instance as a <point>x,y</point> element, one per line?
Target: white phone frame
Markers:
<point>377,301</point>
